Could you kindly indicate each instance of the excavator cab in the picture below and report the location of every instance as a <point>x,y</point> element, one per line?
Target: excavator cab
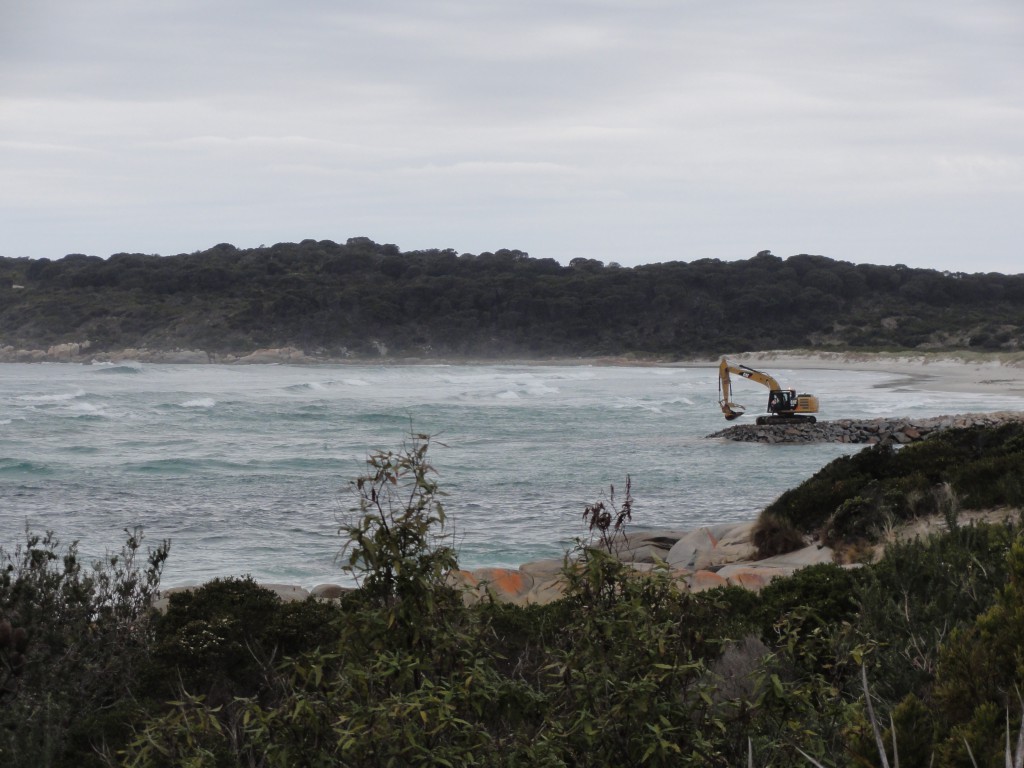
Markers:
<point>786,404</point>
<point>782,401</point>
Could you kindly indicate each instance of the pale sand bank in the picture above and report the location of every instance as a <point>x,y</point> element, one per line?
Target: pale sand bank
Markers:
<point>966,371</point>
<point>939,372</point>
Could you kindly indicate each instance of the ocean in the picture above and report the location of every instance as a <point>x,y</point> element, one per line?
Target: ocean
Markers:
<point>248,469</point>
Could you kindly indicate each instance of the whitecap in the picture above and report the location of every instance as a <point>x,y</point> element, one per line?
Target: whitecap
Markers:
<point>355,382</point>
<point>87,409</point>
<point>55,398</point>
<point>541,389</point>
<point>680,401</point>
<point>310,386</point>
<point>630,403</point>
<point>199,402</point>
<point>508,394</point>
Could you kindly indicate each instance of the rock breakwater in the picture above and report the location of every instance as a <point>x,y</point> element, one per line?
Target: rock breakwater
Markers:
<point>868,431</point>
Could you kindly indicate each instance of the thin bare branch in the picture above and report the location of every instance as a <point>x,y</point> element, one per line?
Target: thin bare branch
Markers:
<point>970,754</point>
<point>809,758</point>
<point>874,721</point>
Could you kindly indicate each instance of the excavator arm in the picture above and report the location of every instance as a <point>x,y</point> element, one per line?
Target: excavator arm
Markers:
<point>729,408</point>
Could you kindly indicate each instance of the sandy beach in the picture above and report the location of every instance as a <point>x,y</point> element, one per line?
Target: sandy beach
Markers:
<point>942,372</point>
<point>961,371</point>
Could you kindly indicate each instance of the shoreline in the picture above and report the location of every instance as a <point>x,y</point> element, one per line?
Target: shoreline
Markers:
<point>960,371</point>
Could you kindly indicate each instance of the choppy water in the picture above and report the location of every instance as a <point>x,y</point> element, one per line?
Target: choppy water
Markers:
<point>246,469</point>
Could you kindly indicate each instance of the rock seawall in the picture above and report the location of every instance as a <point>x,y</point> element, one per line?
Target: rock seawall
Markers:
<point>867,431</point>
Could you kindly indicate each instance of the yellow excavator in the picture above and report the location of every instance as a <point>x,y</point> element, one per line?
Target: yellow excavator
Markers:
<point>785,406</point>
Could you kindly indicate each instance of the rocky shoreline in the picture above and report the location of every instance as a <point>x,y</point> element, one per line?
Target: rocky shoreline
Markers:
<point>711,556</point>
<point>703,559</point>
<point>706,558</point>
<point>869,431</point>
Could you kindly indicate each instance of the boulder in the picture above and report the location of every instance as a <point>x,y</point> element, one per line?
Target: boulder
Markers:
<point>647,553</point>
<point>546,591</point>
<point>701,581</point>
<point>712,546</point>
<point>754,578</point>
<point>541,569</point>
<point>801,558</point>
<point>289,593</point>
<point>329,591</point>
<point>503,585</point>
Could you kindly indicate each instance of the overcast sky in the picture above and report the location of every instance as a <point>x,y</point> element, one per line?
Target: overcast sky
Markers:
<point>633,131</point>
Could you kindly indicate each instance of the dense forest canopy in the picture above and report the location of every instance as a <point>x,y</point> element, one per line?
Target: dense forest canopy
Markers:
<point>361,297</point>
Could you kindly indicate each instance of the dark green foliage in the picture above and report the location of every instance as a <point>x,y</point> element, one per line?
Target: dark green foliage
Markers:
<point>224,639</point>
<point>808,506</point>
<point>854,497</point>
<point>776,535</point>
<point>914,726</point>
<point>825,592</point>
<point>74,638</point>
<point>392,543</point>
<point>919,592</point>
<point>340,298</point>
<point>624,670</point>
<point>981,669</point>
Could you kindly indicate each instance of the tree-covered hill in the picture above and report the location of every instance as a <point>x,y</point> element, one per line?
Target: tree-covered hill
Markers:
<point>360,297</point>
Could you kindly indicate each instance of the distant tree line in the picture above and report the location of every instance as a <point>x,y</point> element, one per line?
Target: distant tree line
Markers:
<point>335,299</point>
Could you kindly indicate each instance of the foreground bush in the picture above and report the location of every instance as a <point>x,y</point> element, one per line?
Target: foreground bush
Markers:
<point>922,650</point>
<point>73,640</point>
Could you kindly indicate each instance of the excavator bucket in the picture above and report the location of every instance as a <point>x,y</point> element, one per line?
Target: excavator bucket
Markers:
<point>731,410</point>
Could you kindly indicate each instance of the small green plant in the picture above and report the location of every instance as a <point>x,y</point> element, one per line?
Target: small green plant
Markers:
<point>607,522</point>
<point>394,544</point>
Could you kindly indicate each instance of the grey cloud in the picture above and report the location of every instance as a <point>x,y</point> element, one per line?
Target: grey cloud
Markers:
<point>626,131</point>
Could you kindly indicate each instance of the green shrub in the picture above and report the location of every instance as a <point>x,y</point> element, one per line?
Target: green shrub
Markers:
<point>992,481</point>
<point>914,725</point>
<point>853,497</point>
<point>774,534</point>
<point>919,592</point>
<point>808,506</point>
<point>981,666</point>
<point>825,590</point>
<point>78,637</point>
<point>222,640</point>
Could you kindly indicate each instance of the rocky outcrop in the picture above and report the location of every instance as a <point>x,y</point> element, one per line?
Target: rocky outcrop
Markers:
<point>868,431</point>
<point>707,558</point>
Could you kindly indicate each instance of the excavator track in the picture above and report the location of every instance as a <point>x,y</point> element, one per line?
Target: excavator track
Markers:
<point>767,421</point>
